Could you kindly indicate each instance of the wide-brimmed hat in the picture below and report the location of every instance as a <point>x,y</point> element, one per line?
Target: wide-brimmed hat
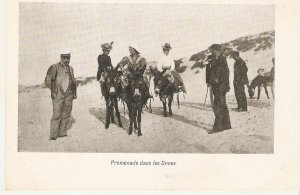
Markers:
<point>135,48</point>
<point>107,46</point>
<point>167,46</point>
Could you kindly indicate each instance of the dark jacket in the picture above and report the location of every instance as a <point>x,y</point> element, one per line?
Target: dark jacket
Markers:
<point>54,84</point>
<point>240,72</point>
<point>104,61</point>
<point>219,77</point>
<point>134,66</point>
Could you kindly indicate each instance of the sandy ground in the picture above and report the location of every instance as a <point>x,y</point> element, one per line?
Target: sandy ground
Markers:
<point>184,132</point>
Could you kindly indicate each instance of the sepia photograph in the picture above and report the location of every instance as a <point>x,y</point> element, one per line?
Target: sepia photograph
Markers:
<point>146,78</point>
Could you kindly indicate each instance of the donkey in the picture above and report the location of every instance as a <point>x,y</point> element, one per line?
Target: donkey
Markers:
<point>166,90</point>
<point>259,81</point>
<point>111,89</point>
<point>138,100</point>
<point>133,94</point>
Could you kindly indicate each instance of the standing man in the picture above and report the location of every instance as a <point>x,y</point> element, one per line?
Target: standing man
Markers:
<point>60,80</point>
<point>104,61</point>
<point>240,80</point>
<point>166,65</point>
<point>208,73</point>
<point>220,85</point>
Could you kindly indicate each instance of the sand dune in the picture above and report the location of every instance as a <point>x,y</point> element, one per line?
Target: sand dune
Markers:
<point>184,132</point>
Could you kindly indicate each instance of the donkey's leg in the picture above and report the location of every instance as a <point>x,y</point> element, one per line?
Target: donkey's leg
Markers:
<point>117,112</point>
<point>272,89</point>
<point>139,120</point>
<point>165,107</point>
<point>135,110</point>
<point>170,106</point>
<point>129,106</point>
<point>266,90</point>
<point>259,89</point>
<point>150,108</point>
<point>107,121</point>
<point>112,118</point>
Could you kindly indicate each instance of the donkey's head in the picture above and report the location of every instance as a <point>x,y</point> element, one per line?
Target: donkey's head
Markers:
<point>137,85</point>
<point>113,82</point>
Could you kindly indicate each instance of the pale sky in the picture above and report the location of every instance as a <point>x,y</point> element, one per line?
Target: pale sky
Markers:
<point>46,28</point>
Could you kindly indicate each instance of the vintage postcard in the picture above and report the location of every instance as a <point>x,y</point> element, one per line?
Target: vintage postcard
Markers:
<point>140,86</point>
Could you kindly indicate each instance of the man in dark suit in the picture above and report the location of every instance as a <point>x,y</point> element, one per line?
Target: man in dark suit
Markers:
<point>60,80</point>
<point>208,73</point>
<point>240,80</point>
<point>219,80</point>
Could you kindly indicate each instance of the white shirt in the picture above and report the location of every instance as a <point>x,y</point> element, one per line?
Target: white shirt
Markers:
<point>166,61</point>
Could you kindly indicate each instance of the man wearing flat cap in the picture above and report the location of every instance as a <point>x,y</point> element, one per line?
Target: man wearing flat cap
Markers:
<point>219,80</point>
<point>61,81</point>
<point>166,65</point>
<point>240,80</point>
<point>134,63</point>
<point>104,61</point>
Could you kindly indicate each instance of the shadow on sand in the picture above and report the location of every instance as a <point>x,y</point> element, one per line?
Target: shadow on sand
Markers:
<point>198,106</point>
<point>100,113</point>
<point>159,112</point>
<point>253,103</point>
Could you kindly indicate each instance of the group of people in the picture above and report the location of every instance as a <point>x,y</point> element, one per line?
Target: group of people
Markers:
<point>217,80</point>
<point>61,81</point>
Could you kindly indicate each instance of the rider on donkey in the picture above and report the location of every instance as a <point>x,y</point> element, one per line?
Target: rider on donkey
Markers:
<point>134,64</point>
<point>166,66</point>
<point>104,62</point>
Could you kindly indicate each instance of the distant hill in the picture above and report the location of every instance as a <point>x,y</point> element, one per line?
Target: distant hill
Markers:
<point>256,50</point>
<point>252,43</point>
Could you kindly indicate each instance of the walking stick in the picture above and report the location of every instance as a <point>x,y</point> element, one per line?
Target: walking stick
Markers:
<point>205,96</point>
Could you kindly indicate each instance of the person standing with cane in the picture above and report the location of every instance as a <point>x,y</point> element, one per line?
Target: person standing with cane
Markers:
<point>220,86</point>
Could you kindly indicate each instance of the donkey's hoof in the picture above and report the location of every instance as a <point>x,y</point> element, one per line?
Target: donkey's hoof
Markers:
<point>170,113</point>
<point>106,126</point>
<point>139,134</point>
<point>120,125</point>
<point>165,115</point>
<point>150,110</point>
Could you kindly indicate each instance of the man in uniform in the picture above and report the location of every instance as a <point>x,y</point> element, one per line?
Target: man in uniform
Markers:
<point>134,63</point>
<point>208,73</point>
<point>60,80</point>
<point>220,85</point>
<point>240,80</point>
